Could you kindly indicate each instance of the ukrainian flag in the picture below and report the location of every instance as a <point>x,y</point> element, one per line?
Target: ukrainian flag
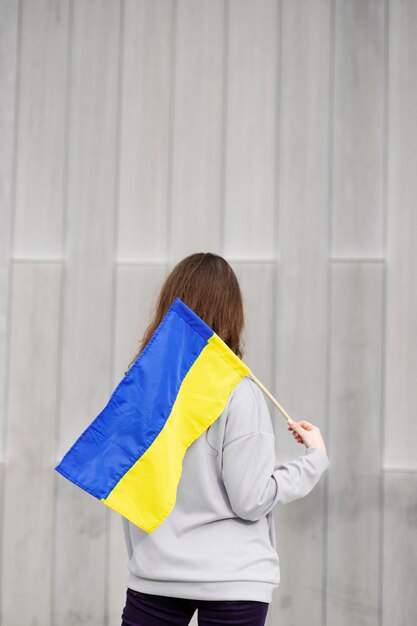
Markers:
<point>130,456</point>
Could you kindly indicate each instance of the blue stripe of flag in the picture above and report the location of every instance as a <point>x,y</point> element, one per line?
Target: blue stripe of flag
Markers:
<point>139,406</point>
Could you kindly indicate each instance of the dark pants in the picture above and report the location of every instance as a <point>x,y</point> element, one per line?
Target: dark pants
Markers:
<point>145,609</point>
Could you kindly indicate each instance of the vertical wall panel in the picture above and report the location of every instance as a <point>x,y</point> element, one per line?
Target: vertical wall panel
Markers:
<point>197,128</point>
<point>8,122</point>
<point>27,537</point>
<point>400,549</point>
<point>401,355</point>
<point>253,33</point>
<point>87,333</point>
<point>145,129</point>
<point>137,289</point>
<point>355,406</point>
<point>41,140</point>
<point>257,285</point>
<point>301,301</point>
<point>359,101</point>
<point>358,230</point>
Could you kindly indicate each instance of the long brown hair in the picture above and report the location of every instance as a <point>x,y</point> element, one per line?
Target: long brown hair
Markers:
<point>208,285</point>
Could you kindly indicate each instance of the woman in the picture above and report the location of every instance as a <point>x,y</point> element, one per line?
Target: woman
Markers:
<point>216,550</point>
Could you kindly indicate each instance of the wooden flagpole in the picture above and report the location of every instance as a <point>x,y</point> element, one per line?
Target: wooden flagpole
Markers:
<point>271,397</point>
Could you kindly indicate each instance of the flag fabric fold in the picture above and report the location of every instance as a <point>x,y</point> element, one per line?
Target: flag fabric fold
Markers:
<point>130,457</point>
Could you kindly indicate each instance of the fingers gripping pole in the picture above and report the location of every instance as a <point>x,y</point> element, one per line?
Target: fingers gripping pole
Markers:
<point>271,397</point>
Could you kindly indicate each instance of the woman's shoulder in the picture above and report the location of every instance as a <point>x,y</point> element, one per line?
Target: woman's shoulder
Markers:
<point>247,410</point>
<point>247,391</point>
<point>245,386</point>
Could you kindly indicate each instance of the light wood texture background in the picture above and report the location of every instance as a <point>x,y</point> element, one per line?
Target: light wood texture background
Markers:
<point>281,134</point>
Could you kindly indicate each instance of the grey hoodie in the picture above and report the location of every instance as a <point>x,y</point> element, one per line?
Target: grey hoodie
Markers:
<point>218,542</point>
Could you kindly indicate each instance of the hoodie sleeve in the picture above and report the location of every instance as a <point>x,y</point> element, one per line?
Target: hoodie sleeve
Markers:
<point>253,480</point>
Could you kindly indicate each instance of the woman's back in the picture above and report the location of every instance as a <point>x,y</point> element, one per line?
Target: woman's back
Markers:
<point>218,542</point>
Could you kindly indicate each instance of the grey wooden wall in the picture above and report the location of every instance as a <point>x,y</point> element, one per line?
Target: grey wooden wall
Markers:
<point>281,134</point>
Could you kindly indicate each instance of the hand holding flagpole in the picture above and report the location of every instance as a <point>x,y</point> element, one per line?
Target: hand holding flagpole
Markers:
<point>307,433</point>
